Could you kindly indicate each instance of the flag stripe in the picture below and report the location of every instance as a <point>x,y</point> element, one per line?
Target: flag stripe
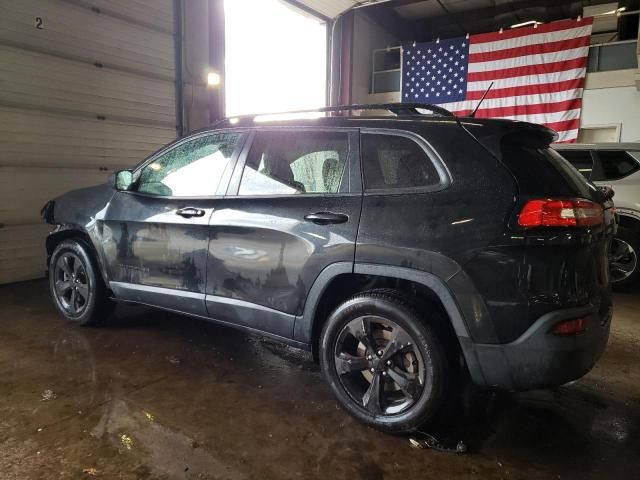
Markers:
<point>528,89</point>
<point>533,39</point>
<point>545,117</point>
<point>527,80</point>
<point>568,136</point>
<point>521,111</point>
<point>536,59</point>
<point>528,70</point>
<point>527,50</point>
<point>564,125</point>
<point>524,100</point>
<point>525,31</point>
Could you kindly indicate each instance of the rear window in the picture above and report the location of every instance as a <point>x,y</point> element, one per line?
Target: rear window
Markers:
<point>614,165</point>
<point>396,162</point>
<point>541,171</point>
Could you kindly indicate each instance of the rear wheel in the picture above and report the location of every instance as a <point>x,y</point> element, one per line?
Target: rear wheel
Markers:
<point>623,258</point>
<point>75,284</point>
<point>386,365</point>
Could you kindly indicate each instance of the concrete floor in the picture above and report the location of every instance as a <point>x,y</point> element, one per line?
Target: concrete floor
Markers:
<point>155,395</point>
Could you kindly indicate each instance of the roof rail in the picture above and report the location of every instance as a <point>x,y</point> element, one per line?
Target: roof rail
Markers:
<point>398,109</point>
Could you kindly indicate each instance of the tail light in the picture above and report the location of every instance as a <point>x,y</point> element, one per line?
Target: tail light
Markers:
<point>570,327</point>
<point>552,212</point>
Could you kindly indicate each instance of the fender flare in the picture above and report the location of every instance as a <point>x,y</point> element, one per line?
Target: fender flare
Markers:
<point>303,327</point>
<point>70,230</point>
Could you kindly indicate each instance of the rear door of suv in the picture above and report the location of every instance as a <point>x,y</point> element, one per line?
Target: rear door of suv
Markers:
<point>292,209</point>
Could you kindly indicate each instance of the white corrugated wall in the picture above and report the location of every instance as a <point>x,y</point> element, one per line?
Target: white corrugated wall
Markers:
<point>86,87</point>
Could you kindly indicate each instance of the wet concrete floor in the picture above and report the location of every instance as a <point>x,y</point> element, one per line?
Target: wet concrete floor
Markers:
<point>156,395</point>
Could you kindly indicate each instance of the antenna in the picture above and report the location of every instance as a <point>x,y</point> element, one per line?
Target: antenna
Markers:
<point>475,110</point>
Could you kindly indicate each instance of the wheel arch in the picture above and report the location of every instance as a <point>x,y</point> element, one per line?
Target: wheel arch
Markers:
<point>66,232</point>
<point>339,281</point>
<point>629,221</point>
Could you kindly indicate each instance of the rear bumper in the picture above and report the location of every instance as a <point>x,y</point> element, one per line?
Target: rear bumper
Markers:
<point>539,358</point>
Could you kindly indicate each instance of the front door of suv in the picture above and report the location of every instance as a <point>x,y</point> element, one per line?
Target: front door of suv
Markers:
<point>292,209</point>
<point>156,234</point>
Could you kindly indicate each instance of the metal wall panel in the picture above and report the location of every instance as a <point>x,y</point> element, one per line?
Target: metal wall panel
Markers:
<point>22,252</point>
<point>26,190</point>
<point>40,139</point>
<point>86,87</point>
<point>39,81</point>
<point>154,13</point>
<point>76,32</point>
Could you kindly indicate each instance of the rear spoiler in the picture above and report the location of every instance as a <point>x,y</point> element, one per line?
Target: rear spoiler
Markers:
<point>526,134</point>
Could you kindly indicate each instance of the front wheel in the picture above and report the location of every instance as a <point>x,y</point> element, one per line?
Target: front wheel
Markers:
<point>384,363</point>
<point>75,284</point>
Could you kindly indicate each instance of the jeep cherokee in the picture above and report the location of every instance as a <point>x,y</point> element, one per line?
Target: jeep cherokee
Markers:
<point>403,251</point>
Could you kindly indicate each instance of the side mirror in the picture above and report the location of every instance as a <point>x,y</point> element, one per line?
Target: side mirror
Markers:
<point>124,179</point>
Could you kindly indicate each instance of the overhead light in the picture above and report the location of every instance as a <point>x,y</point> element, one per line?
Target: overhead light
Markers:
<point>213,79</point>
<point>524,24</point>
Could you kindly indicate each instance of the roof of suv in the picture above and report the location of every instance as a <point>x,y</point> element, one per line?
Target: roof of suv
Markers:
<point>632,146</point>
<point>405,113</point>
<point>389,122</point>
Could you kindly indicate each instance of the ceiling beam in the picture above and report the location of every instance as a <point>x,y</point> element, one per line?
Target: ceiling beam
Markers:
<point>466,19</point>
<point>307,9</point>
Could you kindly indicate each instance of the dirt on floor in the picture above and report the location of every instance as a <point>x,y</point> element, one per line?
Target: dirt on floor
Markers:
<point>161,396</point>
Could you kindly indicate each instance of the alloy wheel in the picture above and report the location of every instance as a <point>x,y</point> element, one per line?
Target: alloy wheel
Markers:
<point>71,284</point>
<point>379,365</point>
<point>623,260</point>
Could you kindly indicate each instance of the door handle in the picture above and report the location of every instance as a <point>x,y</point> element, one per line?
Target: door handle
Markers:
<point>325,218</point>
<point>189,212</point>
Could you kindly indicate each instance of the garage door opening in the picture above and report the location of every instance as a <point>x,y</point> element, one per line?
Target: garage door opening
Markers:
<point>276,58</point>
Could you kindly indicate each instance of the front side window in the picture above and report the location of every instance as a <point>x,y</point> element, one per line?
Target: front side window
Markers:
<point>614,165</point>
<point>581,160</point>
<point>191,169</point>
<point>396,162</point>
<point>289,163</point>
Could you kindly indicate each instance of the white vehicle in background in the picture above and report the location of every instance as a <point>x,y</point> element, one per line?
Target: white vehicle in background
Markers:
<point>616,165</point>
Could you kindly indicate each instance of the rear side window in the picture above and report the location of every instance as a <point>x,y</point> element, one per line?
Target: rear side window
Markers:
<point>540,170</point>
<point>395,162</point>
<point>286,163</point>
<point>581,160</point>
<point>614,165</point>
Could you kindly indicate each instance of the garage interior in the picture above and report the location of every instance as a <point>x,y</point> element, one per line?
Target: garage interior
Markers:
<point>89,87</point>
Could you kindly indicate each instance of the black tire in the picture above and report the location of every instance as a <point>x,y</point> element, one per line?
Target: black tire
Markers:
<point>427,366</point>
<point>75,284</point>
<point>626,237</point>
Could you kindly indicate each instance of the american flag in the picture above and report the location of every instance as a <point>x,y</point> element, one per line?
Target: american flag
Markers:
<point>538,74</point>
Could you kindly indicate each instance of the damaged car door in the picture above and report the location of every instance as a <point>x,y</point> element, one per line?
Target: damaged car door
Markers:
<point>156,229</point>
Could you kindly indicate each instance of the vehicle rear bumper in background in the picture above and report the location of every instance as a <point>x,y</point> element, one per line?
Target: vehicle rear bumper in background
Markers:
<point>540,358</point>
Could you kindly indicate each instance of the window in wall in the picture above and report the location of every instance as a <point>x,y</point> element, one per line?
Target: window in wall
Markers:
<point>392,161</point>
<point>276,57</point>
<point>285,163</point>
<point>191,169</point>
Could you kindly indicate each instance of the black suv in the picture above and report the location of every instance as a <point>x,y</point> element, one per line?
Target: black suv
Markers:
<point>403,251</point>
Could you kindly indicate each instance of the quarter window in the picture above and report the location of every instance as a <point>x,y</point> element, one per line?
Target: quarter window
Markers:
<point>289,163</point>
<point>396,162</point>
<point>191,169</point>
<point>615,164</point>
